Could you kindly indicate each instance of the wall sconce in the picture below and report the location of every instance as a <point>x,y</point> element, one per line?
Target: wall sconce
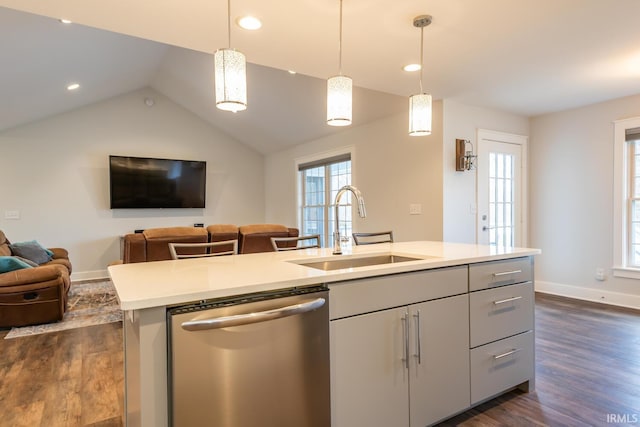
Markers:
<point>465,159</point>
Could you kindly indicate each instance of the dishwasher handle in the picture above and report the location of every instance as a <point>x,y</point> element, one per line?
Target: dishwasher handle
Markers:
<point>249,318</point>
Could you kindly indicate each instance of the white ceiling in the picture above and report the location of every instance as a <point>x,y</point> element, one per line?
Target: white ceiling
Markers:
<point>528,57</point>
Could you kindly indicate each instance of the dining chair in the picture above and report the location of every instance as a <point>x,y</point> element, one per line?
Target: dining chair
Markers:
<point>295,243</point>
<point>199,250</point>
<point>372,238</point>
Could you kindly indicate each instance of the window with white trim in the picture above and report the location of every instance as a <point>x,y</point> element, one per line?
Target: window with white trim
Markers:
<point>626,235</point>
<point>633,200</point>
<point>319,182</point>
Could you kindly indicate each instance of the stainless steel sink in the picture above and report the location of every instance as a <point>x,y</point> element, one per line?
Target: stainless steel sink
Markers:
<point>337,264</point>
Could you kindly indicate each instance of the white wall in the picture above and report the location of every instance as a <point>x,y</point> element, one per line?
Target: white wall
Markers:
<point>462,122</point>
<point>391,169</point>
<point>55,172</point>
<point>571,201</point>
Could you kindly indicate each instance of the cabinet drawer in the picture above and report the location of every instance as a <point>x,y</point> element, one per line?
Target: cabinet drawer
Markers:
<point>359,296</point>
<point>501,312</point>
<point>501,365</point>
<point>499,273</point>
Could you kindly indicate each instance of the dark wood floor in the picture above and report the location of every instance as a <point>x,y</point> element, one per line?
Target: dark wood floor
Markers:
<point>587,365</point>
<point>68,378</point>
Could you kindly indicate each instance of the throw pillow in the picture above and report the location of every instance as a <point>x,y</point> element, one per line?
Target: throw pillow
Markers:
<point>31,250</point>
<point>11,263</point>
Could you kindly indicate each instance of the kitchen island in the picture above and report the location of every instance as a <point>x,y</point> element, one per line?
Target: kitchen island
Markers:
<point>145,290</point>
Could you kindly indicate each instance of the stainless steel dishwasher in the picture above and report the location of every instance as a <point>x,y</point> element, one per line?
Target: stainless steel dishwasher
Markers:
<point>258,360</point>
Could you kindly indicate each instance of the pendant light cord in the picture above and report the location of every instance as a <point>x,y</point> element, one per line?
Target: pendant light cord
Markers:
<point>421,57</point>
<point>340,42</point>
<point>229,22</point>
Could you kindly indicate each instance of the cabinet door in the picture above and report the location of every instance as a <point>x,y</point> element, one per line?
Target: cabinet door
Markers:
<point>439,367</point>
<point>369,384</point>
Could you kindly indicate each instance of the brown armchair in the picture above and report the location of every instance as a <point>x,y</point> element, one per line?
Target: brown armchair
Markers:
<point>34,295</point>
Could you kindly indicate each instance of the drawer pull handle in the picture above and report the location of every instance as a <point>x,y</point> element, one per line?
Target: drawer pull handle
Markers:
<point>506,273</point>
<point>502,301</point>
<point>508,353</point>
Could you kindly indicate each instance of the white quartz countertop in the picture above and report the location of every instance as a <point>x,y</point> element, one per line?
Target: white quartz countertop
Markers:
<point>162,283</point>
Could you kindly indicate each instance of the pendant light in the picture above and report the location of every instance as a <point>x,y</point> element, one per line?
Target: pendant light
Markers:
<point>230,75</point>
<point>420,104</point>
<point>339,92</point>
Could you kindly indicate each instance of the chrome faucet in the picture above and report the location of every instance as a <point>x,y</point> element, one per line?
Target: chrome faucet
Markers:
<point>337,249</point>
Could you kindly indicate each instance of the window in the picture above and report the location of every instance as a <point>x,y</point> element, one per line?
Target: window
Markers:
<point>633,201</point>
<point>319,182</point>
<point>627,198</point>
<point>501,200</point>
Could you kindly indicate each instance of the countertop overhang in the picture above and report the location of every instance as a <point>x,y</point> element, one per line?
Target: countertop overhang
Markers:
<point>164,283</point>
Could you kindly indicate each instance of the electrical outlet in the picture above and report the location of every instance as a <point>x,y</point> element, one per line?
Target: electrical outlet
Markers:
<point>415,209</point>
<point>600,274</point>
<point>11,214</point>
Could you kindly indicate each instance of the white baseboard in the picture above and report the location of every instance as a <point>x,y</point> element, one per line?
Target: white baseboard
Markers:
<point>589,294</point>
<point>89,275</point>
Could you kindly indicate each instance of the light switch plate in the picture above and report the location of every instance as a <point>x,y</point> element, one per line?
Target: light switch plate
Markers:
<point>415,209</point>
<point>11,214</point>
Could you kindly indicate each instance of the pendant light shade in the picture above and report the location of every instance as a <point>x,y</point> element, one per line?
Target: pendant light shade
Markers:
<point>339,100</point>
<point>420,114</point>
<point>339,91</point>
<point>420,104</point>
<point>231,80</point>
<point>230,75</point>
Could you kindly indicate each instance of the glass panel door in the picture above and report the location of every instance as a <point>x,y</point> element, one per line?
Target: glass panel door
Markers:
<point>499,220</point>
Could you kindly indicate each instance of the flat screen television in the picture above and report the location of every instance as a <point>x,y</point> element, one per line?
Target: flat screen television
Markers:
<point>140,182</point>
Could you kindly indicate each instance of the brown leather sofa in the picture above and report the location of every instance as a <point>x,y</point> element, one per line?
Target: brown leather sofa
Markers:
<point>34,295</point>
<point>153,244</point>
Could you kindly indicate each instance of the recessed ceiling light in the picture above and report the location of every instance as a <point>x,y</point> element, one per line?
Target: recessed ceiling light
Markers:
<point>292,72</point>
<point>412,67</point>
<point>249,23</point>
<point>64,21</point>
<point>73,86</point>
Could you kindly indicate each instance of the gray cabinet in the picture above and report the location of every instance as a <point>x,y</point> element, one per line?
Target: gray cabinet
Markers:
<point>409,350</point>
<point>491,274</point>
<point>501,340</point>
<point>439,367</point>
<point>501,365</point>
<point>501,312</point>
<point>368,378</point>
<point>401,366</point>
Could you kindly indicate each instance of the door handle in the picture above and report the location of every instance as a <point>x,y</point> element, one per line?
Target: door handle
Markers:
<point>418,343</point>
<point>249,318</point>
<point>405,330</point>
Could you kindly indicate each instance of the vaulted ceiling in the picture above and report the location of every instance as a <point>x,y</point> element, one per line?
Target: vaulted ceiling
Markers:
<point>528,57</point>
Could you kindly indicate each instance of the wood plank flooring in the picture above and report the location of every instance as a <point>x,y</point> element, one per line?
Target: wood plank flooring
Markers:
<point>587,365</point>
<point>67,378</point>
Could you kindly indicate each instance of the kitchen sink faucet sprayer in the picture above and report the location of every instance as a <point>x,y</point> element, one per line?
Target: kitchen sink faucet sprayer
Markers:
<point>362,211</point>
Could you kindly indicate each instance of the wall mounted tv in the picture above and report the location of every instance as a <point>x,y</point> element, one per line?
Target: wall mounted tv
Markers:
<point>140,182</point>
